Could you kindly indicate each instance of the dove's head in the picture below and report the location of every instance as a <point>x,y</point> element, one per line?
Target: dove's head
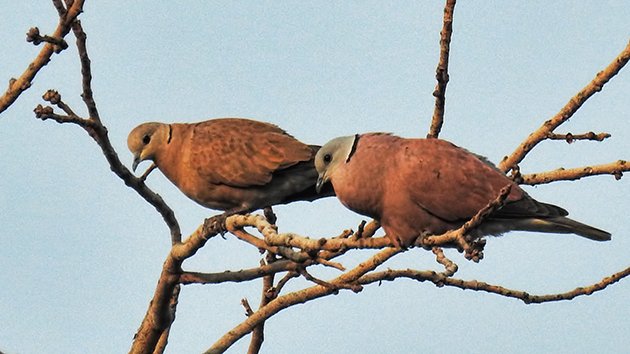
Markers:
<point>145,140</point>
<point>333,155</point>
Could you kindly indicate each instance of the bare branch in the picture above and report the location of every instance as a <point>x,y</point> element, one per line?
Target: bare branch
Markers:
<point>47,112</point>
<point>241,275</point>
<point>450,268</point>
<point>86,71</point>
<point>258,335</point>
<point>160,347</point>
<point>282,282</point>
<point>299,297</point>
<point>441,73</point>
<point>60,8</point>
<point>160,314</point>
<point>441,280</point>
<point>21,84</point>
<point>98,132</point>
<point>282,244</point>
<point>614,168</point>
<point>328,244</point>
<point>33,36</point>
<point>570,138</point>
<point>472,250</point>
<point>247,306</point>
<point>596,85</point>
<point>335,287</point>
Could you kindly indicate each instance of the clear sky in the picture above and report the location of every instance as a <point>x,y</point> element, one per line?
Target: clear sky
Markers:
<point>80,253</point>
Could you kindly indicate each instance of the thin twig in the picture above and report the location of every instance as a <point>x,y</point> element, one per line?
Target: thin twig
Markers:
<point>458,236</point>
<point>282,282</point>
<point>450,268</point>
<point>570,138</point>
<point>441,73</point>
<point>61,10</point>
<point>248,308</point>
<point>33,36</point>
<point>615,169</point>
<point>98,132</point>
<point>335,287</point>
<point>258,334</point>
<point>86,71</point>
<point>241,275</point>
<point>441,280</point>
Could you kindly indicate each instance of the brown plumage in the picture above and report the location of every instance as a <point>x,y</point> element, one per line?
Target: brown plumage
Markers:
<point>230,164</point>
<point>429,186</point>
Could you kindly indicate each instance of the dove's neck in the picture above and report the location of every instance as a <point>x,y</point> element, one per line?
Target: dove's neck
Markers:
<point>358,184</point>
<point>169,158</point>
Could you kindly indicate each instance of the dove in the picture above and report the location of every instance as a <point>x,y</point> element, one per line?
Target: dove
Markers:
<point>231,164</point>
<point>416,187</point>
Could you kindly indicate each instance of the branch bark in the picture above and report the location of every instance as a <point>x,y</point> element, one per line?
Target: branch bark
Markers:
<point>258,335</point>
<point>441,73</point>
<point>440,280</point>
<point>299,297</point>
<point>160,314</point>
<point>615,169</point>
<point>571,138</point>
<point>510,162</point>
<point>21,84</point>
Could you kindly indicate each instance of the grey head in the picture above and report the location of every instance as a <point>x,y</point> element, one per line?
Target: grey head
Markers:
<point>332,155</point>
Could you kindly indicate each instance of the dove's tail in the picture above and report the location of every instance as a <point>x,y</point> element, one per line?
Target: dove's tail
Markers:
<point>565,225</point>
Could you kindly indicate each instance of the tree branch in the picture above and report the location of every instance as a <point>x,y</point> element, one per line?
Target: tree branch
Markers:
<point>153,333</point>
<point>241,275</point>
<point>61,10</point>
<point>472,250</point>
<point>570,138</point>
<point>440,279</point>
<point>614,168</point>
<point>258,335</point>
<point>450,268</point>
<point>542,133</point>
<point>160,314</point>
<point>21,84</point>
<point>441,73</point>
<point>86,70</point>
<point>99,134</point>
<point>299,297</point>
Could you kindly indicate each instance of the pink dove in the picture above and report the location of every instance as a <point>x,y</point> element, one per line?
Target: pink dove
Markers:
<point>416,187</point>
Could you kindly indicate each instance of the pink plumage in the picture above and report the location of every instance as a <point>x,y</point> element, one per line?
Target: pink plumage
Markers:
<point>416,187</point>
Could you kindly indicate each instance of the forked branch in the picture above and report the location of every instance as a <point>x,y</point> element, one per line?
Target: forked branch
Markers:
<point>22,83</point>
<point>544,132</point>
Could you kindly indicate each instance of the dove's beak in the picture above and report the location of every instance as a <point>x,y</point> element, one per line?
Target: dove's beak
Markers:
<point>320,183</point>
<point>136,161</point>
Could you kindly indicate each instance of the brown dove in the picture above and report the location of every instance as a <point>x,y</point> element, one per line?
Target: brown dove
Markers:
<point>232,164</point>
<point>416,187</point>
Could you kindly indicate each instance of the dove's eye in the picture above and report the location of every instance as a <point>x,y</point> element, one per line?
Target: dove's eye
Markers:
<point>146,139</point>
<point>327,158</point>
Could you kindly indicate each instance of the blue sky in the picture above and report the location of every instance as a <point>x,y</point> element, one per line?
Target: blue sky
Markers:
<point>80,253</point>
